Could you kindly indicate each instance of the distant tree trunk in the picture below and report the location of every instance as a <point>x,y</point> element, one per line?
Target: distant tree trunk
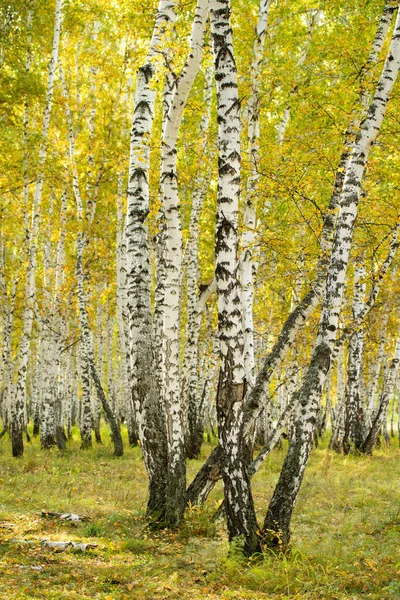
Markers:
<point>85,331</point>
<point>398,420</point>
<point>355,417</point>
<point>122,319</point>
<point>52,330</point>
<point>388,388</point>
<point>19,400</point>
<point>283,123</point>
<point>336,442</point>
<point>376,370</point>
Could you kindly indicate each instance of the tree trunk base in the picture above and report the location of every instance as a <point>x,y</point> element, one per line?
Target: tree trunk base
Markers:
<point>17,441</point>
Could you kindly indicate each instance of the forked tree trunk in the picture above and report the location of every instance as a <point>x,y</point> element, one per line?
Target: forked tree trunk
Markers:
<point>241,518</point>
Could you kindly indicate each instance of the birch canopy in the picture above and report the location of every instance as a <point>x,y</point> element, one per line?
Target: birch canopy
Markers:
<point>199,216</point>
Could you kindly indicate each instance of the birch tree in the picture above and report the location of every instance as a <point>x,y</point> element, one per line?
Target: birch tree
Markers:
<point>18,401</point>
<point>145,390</point>
<point>176,482</point>
<point>277,522</point>
<point>387,391</point>
<point>241,519</point>
<point>85,330</point>
<point>354,432</point>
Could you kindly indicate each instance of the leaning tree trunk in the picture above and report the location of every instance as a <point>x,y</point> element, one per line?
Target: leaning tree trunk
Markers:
<point>276,529</point>
<point>241,518</point>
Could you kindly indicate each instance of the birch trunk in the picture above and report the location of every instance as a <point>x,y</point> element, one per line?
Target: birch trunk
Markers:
<point>241,518</point>
<point>19,400</point>
<point>176,479</point>
<point>195,304</point>
<point>248,235</point>
<point>355,416</point>
<point>122,319</point>
<point>85,330</point>
<point>336,442</point>
<point>277,522</point>
<point>388,388</point>
<point>296,319</point>
<point>373,388</point>
<point>145,386</point>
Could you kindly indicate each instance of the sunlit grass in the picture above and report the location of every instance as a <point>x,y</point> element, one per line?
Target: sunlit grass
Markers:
<point>346,531</point>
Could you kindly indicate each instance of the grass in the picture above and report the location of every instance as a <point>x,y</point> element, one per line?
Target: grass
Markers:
<point>346,531</point>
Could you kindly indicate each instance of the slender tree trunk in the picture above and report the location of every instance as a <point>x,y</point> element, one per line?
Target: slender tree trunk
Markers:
<point>373,388</point>
<point>336,442</point>
<point>122,320</point>
<point>381,416</point>
<point>354,423</point>
<point>248,236</point>
<point>195,304</point>
<point>85,331</point>
<point>176,478</point>
<point>19,401</point>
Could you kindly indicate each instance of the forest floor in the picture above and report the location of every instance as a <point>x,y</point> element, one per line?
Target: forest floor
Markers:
<point>346,531</point>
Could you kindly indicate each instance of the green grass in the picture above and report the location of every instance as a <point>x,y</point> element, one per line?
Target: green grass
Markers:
<point>346,531</point>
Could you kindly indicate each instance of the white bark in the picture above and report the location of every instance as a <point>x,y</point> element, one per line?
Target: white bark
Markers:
<point>195,304</point>
<point>387,392</point>
<point>172,265</point>
<point>241,519</point>
<point>145,388</point>
<point>248,235</point>
<point>87,346</point>
<point>19,400</point>
<point>354,409</point>
<point>376,370</point>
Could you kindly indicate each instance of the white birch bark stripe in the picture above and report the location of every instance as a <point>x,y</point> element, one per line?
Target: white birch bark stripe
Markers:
<point>173,237</point>
<point>248,235</point>
<point>138,260</point>
<point>229,305</point>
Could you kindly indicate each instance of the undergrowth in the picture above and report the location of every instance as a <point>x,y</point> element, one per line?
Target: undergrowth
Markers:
<point>345,543</point>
